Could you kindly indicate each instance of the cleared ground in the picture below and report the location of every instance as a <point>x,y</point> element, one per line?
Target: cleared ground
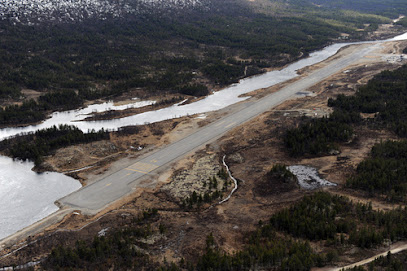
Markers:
<point>252,149</point>
<point>93,198</point>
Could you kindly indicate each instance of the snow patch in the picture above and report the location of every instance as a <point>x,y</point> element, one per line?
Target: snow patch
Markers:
<point>308,177</point>
<point>35,11</point>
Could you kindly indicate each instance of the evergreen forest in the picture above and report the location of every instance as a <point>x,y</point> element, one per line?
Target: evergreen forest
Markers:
<point>385,96</point>
<point>183,54</point>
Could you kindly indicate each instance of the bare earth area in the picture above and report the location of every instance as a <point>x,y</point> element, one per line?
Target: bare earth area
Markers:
<point>251,150</point>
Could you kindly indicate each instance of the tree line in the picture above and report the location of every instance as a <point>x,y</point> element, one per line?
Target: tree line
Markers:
<point>385,95</point>
<point>34,146</point>
<point>118,249</point>
<point>32,111</point>
<point>384,172</point>
<point>98,59</point>
<point>323,216</point>
<point>320,136</point>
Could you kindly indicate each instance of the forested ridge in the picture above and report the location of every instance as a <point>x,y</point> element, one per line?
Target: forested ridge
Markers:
<point>159,54</point>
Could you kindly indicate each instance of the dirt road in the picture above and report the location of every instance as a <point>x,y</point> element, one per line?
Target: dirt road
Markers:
<point>395,248</point>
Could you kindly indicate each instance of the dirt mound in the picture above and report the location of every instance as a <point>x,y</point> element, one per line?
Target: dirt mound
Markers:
<point>275,182</point>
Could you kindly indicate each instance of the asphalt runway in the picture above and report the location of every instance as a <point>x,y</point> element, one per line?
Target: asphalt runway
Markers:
<point>95,197</point>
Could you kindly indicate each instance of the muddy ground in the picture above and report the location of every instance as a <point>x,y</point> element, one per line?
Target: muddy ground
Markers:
<point>251,150</point>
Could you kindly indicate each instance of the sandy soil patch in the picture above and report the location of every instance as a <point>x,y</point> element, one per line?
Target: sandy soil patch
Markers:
<point>251,149</point>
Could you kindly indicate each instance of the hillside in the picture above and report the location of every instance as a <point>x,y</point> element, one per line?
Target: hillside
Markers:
<point>43,11</point>
<point>103,49</point>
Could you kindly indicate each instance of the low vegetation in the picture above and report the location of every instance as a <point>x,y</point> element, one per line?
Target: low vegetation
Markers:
<point>215,189</point>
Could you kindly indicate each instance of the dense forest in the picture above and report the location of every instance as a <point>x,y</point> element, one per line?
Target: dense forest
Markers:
<point>34,146</point>
<point>320,136</point>
<point>120,249</point>
<point>384,172</point>
<point>385,95</point>
<point>33,111</point>
<point>323,216</point>
<point>159,54</point>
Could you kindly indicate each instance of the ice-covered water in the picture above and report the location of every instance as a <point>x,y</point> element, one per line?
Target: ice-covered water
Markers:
<point>215,101</point>
<point>308,177</point>
<point>74,117</point>
<point>26,197</point>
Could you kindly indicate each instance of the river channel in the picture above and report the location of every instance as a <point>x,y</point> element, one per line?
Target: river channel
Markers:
<point>27,197</point>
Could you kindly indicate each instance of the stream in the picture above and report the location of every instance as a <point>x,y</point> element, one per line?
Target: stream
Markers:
<point>26,197</point>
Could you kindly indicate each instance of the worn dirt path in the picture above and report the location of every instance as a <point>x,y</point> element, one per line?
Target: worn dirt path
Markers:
<point>394,248</point>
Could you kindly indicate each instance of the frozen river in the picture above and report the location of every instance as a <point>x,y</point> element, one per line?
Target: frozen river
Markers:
<point>26,197</point>
<point>215,101</point>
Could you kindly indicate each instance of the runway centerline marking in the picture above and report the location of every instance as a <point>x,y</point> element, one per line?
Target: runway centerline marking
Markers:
<point>136,171</point>
<point>142,167</point>
<point>230,124</point>
<point>218,124</point>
